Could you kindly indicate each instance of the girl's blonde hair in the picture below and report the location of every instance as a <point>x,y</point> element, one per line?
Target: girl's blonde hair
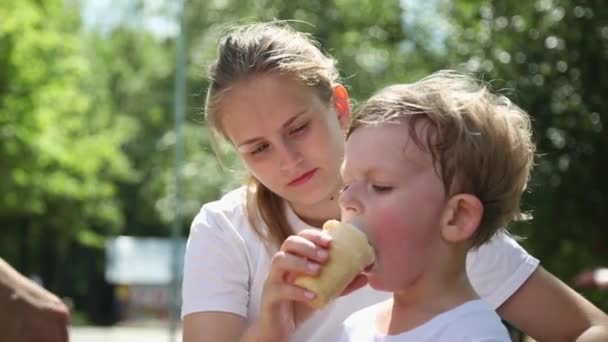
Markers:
<point>262,48</point>
<point>481,143</point>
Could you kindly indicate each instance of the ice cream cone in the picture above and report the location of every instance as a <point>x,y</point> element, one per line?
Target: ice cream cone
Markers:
<point>349,253</point>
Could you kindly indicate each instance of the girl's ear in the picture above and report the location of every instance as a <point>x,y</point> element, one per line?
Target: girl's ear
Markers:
<point>342,104</point>
<point>461,217</point>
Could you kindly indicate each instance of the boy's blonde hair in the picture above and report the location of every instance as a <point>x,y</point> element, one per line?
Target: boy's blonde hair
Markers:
<point>481,143</point>
<point>257,49</point>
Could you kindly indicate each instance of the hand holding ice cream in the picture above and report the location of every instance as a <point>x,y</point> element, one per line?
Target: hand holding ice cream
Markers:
<point>349,253</point>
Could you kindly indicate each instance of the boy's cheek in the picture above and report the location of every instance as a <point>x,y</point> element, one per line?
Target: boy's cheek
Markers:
<point>384,222</point>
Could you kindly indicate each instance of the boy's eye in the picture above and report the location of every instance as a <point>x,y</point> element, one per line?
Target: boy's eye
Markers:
<point>299,129</point>
<point>380,188</point>
<point>259,149</point>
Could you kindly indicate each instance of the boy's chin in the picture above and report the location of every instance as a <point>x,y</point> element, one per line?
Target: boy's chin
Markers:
<point>376,282</point>
<point>378,286</point>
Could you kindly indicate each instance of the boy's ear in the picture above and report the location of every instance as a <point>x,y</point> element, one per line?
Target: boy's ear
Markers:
<point>342,104</point>
<point>461,217</point>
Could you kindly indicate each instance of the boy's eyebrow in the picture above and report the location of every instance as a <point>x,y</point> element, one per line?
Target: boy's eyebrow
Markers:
<point>375,172</point>
<point>368,172</point>
<point>287,123</point>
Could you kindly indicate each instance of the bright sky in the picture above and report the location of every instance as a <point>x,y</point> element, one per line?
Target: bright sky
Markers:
<point>425,14</point>
<point>156,16</point>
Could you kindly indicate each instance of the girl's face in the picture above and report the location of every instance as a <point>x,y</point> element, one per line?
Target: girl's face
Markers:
<point>287,137</point>
<point>393,192</point>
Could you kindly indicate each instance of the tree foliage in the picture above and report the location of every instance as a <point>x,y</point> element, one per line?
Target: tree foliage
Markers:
<point>61,152</point>
<point>550,57</point>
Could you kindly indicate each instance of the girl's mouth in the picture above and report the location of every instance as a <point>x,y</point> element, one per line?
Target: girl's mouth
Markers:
<point>303,178</point>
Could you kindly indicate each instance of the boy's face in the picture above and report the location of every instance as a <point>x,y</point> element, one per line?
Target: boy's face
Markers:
<point>394,194</point>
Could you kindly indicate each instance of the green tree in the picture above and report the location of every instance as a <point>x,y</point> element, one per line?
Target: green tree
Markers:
<point>551,58</point>
<point>61,153</point>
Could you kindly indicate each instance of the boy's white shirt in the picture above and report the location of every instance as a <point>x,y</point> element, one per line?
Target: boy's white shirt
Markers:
<point>226,265</point>
<point>473,321</point>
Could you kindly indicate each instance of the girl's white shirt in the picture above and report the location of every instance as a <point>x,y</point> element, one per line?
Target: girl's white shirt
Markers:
<point>226,264</point>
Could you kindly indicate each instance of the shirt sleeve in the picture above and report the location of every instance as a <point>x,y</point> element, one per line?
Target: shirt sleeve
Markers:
<point>342,336</point>
<point>216,270</point>
<point>498,268</point>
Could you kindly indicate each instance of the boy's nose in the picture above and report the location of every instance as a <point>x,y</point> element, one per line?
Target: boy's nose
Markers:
<point>349,201</point>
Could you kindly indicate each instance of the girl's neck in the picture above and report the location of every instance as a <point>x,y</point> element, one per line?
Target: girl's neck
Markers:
<point>316,214</point>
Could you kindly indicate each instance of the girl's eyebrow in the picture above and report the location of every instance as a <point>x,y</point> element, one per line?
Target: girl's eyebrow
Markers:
<point>287,123</point>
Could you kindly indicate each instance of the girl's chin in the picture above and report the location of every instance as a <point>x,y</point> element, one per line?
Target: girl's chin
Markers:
<point>312,196</point>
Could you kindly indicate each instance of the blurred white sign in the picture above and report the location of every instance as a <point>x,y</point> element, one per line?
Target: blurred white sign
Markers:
<point>142,261</point>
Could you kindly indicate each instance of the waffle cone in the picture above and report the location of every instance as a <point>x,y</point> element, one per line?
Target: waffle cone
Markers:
<point>349,253</point>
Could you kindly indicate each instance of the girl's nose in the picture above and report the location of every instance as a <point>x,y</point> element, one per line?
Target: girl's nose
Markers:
<point>290,156</point>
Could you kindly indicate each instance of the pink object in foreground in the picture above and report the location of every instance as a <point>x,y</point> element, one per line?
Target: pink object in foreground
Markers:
<point>597,278</point>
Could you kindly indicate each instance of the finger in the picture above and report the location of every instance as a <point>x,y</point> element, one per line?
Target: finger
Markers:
<point>357,283</point>
<point>285,263</point>
<point>303,247</point>
<point>319,237</point>
<point>292,293</point>
<point>290,277</point>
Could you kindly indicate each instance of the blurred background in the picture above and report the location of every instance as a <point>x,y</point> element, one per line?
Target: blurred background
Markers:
<point>105,158</point>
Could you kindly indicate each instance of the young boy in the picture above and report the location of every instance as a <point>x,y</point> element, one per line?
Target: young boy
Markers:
<point>431,170</point>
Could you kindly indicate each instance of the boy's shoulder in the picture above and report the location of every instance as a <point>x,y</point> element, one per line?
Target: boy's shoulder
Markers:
<point>360,325</point>
<point>471,321</point>
<point>366,315</point>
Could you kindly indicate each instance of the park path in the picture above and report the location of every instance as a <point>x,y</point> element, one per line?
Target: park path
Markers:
<point>123,334</point>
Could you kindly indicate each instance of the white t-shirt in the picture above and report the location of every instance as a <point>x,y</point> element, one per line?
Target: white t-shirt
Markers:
<point>226,265</point>
<point>473,321</point>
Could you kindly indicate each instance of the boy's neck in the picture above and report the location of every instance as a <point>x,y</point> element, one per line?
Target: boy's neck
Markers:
<point>444,287</point>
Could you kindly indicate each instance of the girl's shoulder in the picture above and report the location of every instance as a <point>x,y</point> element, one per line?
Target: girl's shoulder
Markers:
<point>226,217</point>
<point>231,203</point>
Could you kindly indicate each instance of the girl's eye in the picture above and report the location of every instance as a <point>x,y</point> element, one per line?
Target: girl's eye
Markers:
<point>380,188</point>
<point>259,149</point>
<point>299,129</point>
